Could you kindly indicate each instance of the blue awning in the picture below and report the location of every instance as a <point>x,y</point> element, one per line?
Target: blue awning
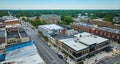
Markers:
<point>2,57</point>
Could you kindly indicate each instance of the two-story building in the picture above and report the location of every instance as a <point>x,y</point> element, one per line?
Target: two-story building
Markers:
<point>110,33</point>
<point>51,29</point>
<point>79,46</point>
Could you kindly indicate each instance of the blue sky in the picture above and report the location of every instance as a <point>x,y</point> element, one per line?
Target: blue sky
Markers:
<point>59,4</point>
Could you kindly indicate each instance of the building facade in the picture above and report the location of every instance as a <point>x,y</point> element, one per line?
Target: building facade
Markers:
<point>113,34</point>
<point>51,29</point>
<point>79,46</point>
<point>52,18</point>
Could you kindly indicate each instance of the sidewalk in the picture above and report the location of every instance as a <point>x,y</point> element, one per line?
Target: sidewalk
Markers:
<point>68,60</point>
<point>98,57</point>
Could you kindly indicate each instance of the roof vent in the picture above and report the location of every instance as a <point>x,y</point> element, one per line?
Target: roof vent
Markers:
<point>80,35</point>
<point>95,36</point>
<point>75,40</point>
<point>74,45</point>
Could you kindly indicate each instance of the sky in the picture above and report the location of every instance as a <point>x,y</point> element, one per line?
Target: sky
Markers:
<point>59,4</point>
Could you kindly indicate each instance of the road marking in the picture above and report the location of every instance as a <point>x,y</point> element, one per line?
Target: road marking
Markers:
<point>47,51</point>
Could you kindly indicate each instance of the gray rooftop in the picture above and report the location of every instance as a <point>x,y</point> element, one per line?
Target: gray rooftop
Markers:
<point>110,30</point>
<point>90,39</point>
<point>101,28</point>
<point>85,24</point>
<point>12,34</point>
<point>62,36</point>
<point>49,15</point>
<point>77,46</point>
<point>81,40</point>
<point>22,32</point>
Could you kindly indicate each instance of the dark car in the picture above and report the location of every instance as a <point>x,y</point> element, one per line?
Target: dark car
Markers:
<point>60,56</point>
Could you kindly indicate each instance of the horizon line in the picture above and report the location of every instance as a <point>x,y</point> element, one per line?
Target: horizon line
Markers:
<point>61,9</point>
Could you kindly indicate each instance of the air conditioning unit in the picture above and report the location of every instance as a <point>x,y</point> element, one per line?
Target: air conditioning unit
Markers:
<point>80,35</point>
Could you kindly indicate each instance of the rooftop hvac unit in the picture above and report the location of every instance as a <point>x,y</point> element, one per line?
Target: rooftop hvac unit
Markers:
<point>80,35</point>
<point>95,36</point>
<point>75,40</point>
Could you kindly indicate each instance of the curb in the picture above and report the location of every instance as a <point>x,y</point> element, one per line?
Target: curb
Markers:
<point>102,59</point>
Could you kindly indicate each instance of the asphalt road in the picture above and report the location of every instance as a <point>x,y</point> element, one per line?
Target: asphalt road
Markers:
<point>110,60</point>
<point>45,51</point>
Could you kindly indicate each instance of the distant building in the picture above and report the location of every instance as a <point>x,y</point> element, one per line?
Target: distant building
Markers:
<point>79,46</point>
<point>113,34</point>
<point>116,20</point>
<point>2,25</point>
<point>51,29</point>
<point>7,17</point>
<point>23,53</point>
<point>12,23</point>
<point>98,19</point>
<point>3,37</point>
<point>51,18</point>
<point>3,41</point>
<point>16,35</point>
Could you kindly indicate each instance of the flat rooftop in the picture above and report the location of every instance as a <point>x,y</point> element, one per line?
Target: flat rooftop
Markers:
<point>49,16</point>
<point>12,34</point>
<point>101,28</point>
<point>9,20</point>
<point>110,30</point>
<point>23,53</point>
<point>81,40</point>
<point>22,32</point>
<point>90,39</point>
<point>85,24</point>
<point>31,59</point>
<point>51,27</point>
<point>77,46</point>
<point>62,36</point>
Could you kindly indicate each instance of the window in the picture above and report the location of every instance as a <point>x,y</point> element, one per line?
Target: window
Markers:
<point>100,33</point>
<point>104,34</point>
<point>118,37</point>
<point>96,31</point>
<point>113,36</point>
<point>77,54</point>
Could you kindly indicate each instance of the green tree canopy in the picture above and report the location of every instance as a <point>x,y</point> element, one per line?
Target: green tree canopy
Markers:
<point>66,20</point>
<point>108,17</point>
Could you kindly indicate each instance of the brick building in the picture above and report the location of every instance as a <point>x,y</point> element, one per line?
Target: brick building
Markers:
<point>113,34</point>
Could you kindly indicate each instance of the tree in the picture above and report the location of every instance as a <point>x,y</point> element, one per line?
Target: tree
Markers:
<point>68,20</point>
<point>93,16</point>
<point>39,32</point>
<point>43,22</point>
<point>45,38</point>
<point>62,23</point>
<point>108,17</point>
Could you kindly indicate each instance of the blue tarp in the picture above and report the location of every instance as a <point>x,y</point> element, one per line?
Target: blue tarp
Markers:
<point>2,57</point>
<point>17,46</point>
